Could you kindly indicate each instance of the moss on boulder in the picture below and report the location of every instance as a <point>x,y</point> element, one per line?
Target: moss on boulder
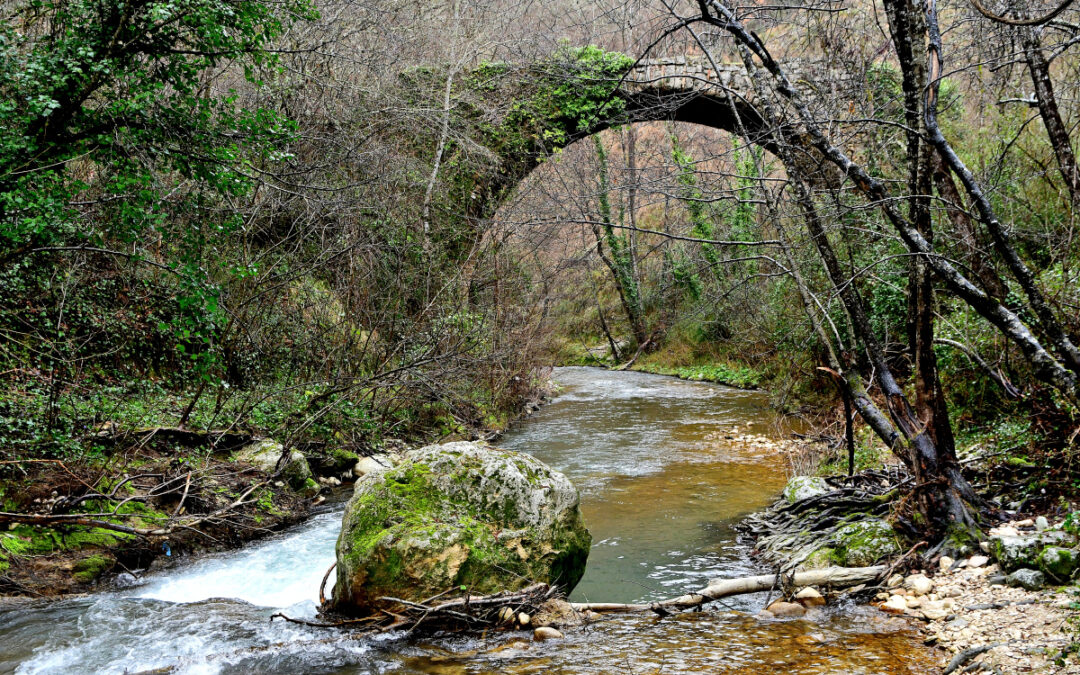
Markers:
<point>864,542</point>
<point>264,455</point>
<point>460,516</point>
<point>1058,563</point>
<point>1014,552</point>
<point>805,487</point>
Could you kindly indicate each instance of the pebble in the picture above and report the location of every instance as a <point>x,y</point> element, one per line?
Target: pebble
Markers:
<point>546,633</point>
<point>524,619</point>
<point>1041,523</point>
<point>920,584</point>
<point>785,609</point>
<point>965,609</point>
<point>809,597</point>
<point>945,563</point>
<point>896,604</point>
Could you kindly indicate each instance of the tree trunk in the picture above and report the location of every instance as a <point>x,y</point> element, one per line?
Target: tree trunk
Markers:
<point>1039,68</point>
<point>978,260</point>
<point>909,37</point>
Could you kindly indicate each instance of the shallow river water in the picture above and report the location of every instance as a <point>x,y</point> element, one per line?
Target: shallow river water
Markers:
<point>662,482</point>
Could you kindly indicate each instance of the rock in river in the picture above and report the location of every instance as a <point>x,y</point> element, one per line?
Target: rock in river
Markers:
<point>459,516</point>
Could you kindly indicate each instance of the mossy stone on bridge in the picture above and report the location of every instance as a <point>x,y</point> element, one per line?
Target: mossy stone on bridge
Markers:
<point>458,517</point>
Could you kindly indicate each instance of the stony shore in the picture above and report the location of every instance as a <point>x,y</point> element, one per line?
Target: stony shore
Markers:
<point>969,605</point>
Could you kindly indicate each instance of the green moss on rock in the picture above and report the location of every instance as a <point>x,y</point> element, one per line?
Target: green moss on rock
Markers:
<point>805,487</point>
<point>1058,563</point>
<point>864,542</point>
<point>458,515</point>
<point>92,567</point>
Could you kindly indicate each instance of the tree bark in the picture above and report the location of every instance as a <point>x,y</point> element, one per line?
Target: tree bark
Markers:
<point>1039,68</point>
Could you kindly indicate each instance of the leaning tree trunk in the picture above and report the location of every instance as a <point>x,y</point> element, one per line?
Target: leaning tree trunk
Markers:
<point>1039,68</point>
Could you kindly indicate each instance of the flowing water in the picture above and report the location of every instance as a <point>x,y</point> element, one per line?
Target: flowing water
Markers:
<point>663,479</point>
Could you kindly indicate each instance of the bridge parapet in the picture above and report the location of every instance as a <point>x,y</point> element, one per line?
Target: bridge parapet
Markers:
<point>696,74</point>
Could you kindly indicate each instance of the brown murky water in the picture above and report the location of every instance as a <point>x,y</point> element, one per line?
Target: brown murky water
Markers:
<point>662,483</point>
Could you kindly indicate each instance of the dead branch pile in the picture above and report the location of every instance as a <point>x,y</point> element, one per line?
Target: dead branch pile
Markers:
<point>508,609</point>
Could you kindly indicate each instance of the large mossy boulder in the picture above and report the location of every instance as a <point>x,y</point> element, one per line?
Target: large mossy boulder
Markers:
<point>458,517</point>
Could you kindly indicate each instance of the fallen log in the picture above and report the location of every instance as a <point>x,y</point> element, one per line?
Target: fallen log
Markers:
<point>834,577</point>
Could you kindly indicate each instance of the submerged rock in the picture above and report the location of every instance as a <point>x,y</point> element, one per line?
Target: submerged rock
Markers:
<point>805,487</point>
<point>462,516</point>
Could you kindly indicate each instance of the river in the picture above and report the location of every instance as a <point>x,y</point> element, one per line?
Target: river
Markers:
<point>663,479</point>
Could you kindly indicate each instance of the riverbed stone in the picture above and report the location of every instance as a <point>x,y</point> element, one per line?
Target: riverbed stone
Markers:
<point>1058,563</point>
<point>458,516</point>
<point>781,609</point>
<point>1030,580</point>
<point>546,633</point>
<point>264,455</point>
<point>805,487</point>
<point>864,542</point>
<point>809,597</point>
<point>919,584</point>
<point>1020,551</point>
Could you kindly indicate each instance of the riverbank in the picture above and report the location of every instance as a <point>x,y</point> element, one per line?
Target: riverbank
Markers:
<point>150,497</point>
<point>155,497</point>
<point>978,622</point>
<point>1010,608</point>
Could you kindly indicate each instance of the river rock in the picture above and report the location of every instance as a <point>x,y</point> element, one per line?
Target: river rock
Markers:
<point>864,542</point>
<point>809,597</point>
<point>1016,552</point>
<point>977,561</point>
<point>264,455</point>
<point>1041,523</point>
<point>1058,563</point>
<point>786,609</point>
<point>805,487</point>
<point>373,464</point>
<point>896,604</point>
<point>1031,580</point>
<point>459,515</point>
<point>546,633</point>
<point>919,584</point>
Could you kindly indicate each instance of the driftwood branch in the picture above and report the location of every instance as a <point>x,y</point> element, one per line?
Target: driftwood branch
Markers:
<point>835,577</point>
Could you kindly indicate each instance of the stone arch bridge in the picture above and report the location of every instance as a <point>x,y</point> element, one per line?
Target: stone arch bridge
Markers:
<point>558,103</point>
